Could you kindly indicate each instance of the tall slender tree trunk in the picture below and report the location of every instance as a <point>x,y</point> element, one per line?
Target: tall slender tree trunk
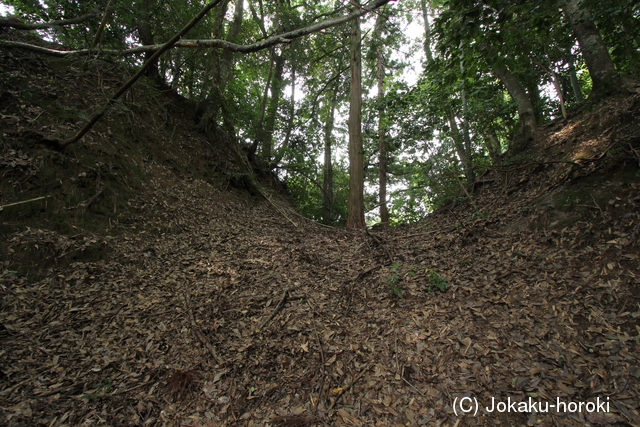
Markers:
<point>528,126</point>
<point>558,85</point>
<point>458,142</point>
<point>263,103</point>
<point>603,73</point>
<point>272,112</point>
<point>145,34</point>
<point>327,172</point>
<point>383,159</point>
<point>573,78</point>
<point>466,135</point>
<point>290,121</point>
<point>427,31</point>
<point>355,217</point>
<point>492,143</point>
<point>220,70</point>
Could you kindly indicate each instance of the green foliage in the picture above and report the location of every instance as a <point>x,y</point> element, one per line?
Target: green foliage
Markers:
<point>436,282</point>
<point>305,191</point>
<point>619,25</point>
<point>394,280</point>
<point>99,390</point>
<point>470,36</point>
<point>394,283</point>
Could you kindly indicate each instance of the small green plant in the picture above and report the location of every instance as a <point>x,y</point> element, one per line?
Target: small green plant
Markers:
<point>99,390</point>
<point>393,281</point>
<point>436,282</point>
<point>479,214</point>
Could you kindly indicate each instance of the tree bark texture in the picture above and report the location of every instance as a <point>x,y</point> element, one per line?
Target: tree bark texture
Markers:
<point>528,127</point>
<point>575,84</point>
<point>143,16</point>
<point>327,172</point>
<point>355,217</point>
<point>603,73</point>
<point>427,31</point>
<point>383,159</point>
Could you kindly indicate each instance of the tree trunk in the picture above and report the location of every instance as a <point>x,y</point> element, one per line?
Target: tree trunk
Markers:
<point>427,31</point>
<point>466,135</point>
<point>268,111</point>
<point>459,144</point>
<point>528,126</point>
<point>558,85</point>
<point>211,100</point>
<point>355,217</point>
<point>143,16</point>
<point>383,159</point>
<point>272,112</point>
<point>290,122</point>
<point>603,73</point>
<point>575,84</point>
<point>259,130</point>
<point>492,143</point>
<point>327,172</point>
<point>226,62</point>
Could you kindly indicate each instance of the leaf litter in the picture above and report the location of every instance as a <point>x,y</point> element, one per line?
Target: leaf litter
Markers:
<point>234,316</point>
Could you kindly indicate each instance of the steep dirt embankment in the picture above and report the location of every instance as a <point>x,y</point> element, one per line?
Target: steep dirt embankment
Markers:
<point>209,307</point>
<point>92,186</point>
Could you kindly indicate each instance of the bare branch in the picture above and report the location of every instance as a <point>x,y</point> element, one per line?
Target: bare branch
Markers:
<point>275,40</point>
<point>14,22</point>
<point>216,43</point>
<point>46,51</point>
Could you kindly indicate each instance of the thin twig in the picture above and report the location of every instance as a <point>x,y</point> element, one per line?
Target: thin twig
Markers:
<point>321,386</point>
<point>198,332</point>
<point>86,203</point>
<point>344,390</point>
<point>473,202</point>
<point>24,201</point>
<point>598,206</point>
<point>409,384</point>
<point>277,208</point>
<point>285,294</point>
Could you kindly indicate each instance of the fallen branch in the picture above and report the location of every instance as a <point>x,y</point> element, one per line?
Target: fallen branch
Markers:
<point>277,208</point>
<point>196,330</point>
<point>285,294</point>
<point>86,203</point>
<point>364,273</point>
<point>23,202</point>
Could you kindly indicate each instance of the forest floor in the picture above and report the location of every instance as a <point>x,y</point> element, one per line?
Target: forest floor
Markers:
<point>210,307</point>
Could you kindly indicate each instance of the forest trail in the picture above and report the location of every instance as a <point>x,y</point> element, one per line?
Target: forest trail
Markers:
<point>238,315</point>
<point>146,290</point>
